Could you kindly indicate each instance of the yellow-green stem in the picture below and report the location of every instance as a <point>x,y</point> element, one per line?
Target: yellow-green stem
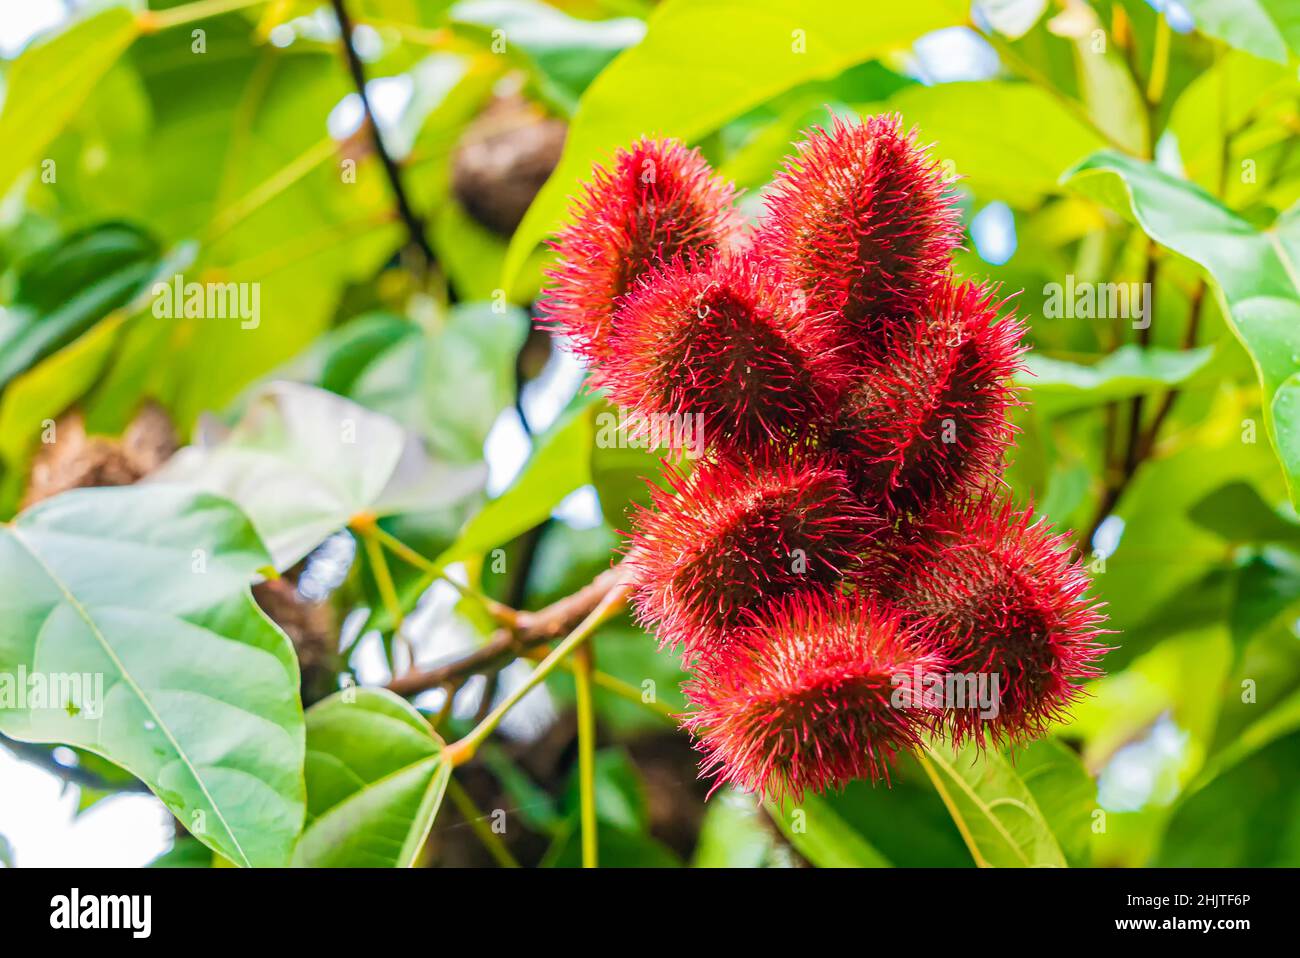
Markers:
<point>582,669</point>
<point>475,819</point>
<point>461,751</point>
<point>383,577</point>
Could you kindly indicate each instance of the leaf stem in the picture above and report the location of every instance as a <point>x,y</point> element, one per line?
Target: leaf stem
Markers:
<point>475,819</point>
<point>383,578</point>
<point>503,614</point>
<point>582,669</point>
<point>460,752</point>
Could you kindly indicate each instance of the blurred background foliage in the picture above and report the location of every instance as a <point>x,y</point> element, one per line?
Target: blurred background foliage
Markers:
<point>1111,141</point>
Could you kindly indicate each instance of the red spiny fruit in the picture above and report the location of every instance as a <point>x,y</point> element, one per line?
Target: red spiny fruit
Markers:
<point>1003,596</point>
<point>659,200</point>
<point>722,342</point>
<point>929,417</point>
<point>737,534</point>
<point>818,695</point>
<point>863,222</point>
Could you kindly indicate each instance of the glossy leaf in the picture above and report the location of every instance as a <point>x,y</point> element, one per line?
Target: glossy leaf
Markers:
<point>1266,28</point>
<point>687,78</point>
<point>560,464</point>
<point>375,780</point>
<point>994,809</point>
<point>1058,386</point>
<point>64,290</point>
<point>1256,272</point>
<point>147,590</point>
<point>822,836</point>
<point>303,462</point>
<point>51,79</point>
<point>1017,159</point>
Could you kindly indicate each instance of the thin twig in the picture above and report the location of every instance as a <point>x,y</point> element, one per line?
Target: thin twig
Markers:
<point>414,225</point>
<point>532,629</point>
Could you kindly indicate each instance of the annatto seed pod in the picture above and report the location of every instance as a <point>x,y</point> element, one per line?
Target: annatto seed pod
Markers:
<point>861,220</point>
<point>736,535</point>
<point>816,696</point>
<point>660,200</point>
<point>722,342</point>
<point>929,417</point>
<point>1002,595</point>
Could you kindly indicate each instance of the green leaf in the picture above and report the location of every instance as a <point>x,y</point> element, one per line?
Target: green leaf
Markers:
<point>732,835</point>
<point>562,52</point>
<point>186,852</point>
<point>6,853</point>
<point>1266,28</point>
<point>619,468</point>
<point>302,462</point>
<point>1243,817</point>
<point>620,793</point>
<point>1238,513</point>
<point>819,833</point>
<point>994,809</point>
<point>50,80</point>
<point>1018,159</point>
<point>42,393</point>
<point>449,384</point>
<point>64,290</point>
<point>375,780</point>
<point>688,77</point>
<point>1059,386</point>
<point>1255,271</point>
<point>147,590</point>
<point>618,848</point>
<point>560,465</point>
<point>1065,792</point>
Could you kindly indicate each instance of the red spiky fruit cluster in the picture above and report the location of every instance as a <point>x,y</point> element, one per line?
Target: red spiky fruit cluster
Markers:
<point>862,221</point>
<point>736,534</point>
<point>816,694</point>
<point>928,415</point>
<point>840,533</point>
<point>721,340</point>
<point>1001,596</point>
<point>658,201</point>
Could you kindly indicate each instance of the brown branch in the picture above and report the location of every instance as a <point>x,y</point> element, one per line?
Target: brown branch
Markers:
<point>530,630</point>
<point>1139,444</point>
<point>414,225</point>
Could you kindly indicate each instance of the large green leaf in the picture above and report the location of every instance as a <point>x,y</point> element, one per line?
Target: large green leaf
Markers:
<point>147,589</point>
<point>451,383</point>
<point>1244,817</point>
<point>562,52</point>
<point>1059,386</point>
<point>1065,794</point>
<point>51,79</point>
<point>302,462</point>
<point>1017,159</point>
<point>1238,513</point>
<point>732,834</point>
<point>375,779</point>
<point>1266,28</point>
<point>64,290</point>
<point>560,464</point>
<point>994,809</point>
<point>1255,270</point>
<point>820,834</point>
<point>688,77</point>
